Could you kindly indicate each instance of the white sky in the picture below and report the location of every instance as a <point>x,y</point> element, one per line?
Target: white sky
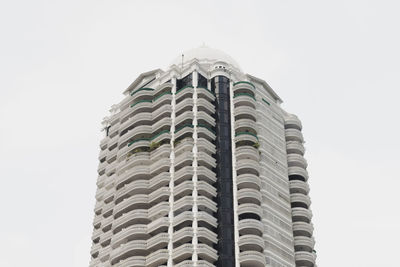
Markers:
<point>64,63</point>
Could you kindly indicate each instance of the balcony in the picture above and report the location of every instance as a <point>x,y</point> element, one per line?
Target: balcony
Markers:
<point>205,105</point>
<point>132,232</point>
<point>158,241</point>
<point>204,93</point>
<point>160,166</point>
<point>303,243</point>
<point>131,203</point>
<point>141,131</point>
<point>206,236</point>
<point>293,147</point>
<point>182,252</point>
<point>205,174</point>
<point>247,152</point>
<point>293,122</point>
<point>206,252</point>
<point>251,242</point>
<point>161,124</point>
<point>182,236</point>
<point>301,215</point>
<point>248,180</point>
<point>297,171</point>
<point>134,261</point>
<point>161,194</point>
<point>132,248</point>
<point>295,160</point>
<point>130,218</point>
<point>245,112</point>
<point>207,218</point>
<point>157,258</point>
<point>160,180</point>
<point>203,145</point>
<point>247,166</point>
<point>203,118</point>
<point>137,119</point>
<point>158,226</point>
<point>185,159</point>
<point>183,204</point>
<point>185,105</point>
<point>302,229</point>
<point>158,211</point>
<point>205,189</point>
<point>244,99</point>
<point>206,204</point>
<point>250,208</point>
<point>305,259</point>
<point>245,125</point>
<point>139,186</point>
<point>183,189</point>
<point>294,135</point>
<point>297,186</point>
<point>246,136</point>
<point>185,145</point>
<point>204,159</point>
<point>300,199</point>
<point>252,259</point>
<point>205,133</point>
<point>251,227</point>
<point>185,118</point>
<point>250,196</point>
<point>186,216</point>
<point>183,174</point>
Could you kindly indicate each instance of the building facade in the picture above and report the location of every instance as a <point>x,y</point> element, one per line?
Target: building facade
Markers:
<point>200,166</point>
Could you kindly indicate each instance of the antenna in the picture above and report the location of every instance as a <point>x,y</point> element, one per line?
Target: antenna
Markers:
<point>182,61</point>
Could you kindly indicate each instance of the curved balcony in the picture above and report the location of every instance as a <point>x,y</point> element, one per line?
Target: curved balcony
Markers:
<point>100,193</point>
<point>186,263</point>
<point>244,99</point>
<point>132,232</point>
<point>161,194</point>
<point>134,261</point>
<point>246,136</point>
<point>160,125</point>
<point>183,189</point>
<point>160,180</point>
<point>157,258</point>
<point>206,106</point>
<point>184,106</point>
<point>158,226</point>
<point>137,173</point>
<point>303,243</point>
<point>206,204</point>
<point>205,133</point>
<point>130,218</point>
<point>185,118</point>
<point>250,209</point>
<point>248,180</point>
<point>293,122</point>
<point>134,145</point>
<point>296,161</point>
<point>141,131</point>
<point>137,159</point>
<point>245,166</point>
<point>204,93</point>
<point>164,135</point>
<point>206,189</point>
<point>206,236</point>
<point>185,218</point>
<point>297,186</point>
<point>183,132</point>
<point>162,112</point>
<point>205,174</point>
<point>252,259</point>
<point>141,106</point>
<point>245,112</point>
<point>251,242</point>
<point>297,173</point>
<point>185,145</point>
<point>158,241</point>
<point>294,147</point>
<point>160,166</point>
<point>158,211</point>
<point>132,248</point>
<point>183,204</point>
<point>294,135</point>
<point>206,252</point>
<point>205,217</point>
<point>302,229</point>
<point>250,227</point>
<point>249,195</point>
<point>183,160</point>
<point>163,150</point>
<point>300,199</point>
<point>185,92</point>
<point>131,203</point>
<point>247,152</point>
<point>203,145</point>
<point>183,174</point>
<point>182,236</point>
<point>245,125</point>
<point>162,100</point>
<point>305,259</point>
<point>203,117</point>
<point>163,87</point>
<point>182,252</point>
<point>137,119</point>
<point>301,215</point>
<point>204,159</point>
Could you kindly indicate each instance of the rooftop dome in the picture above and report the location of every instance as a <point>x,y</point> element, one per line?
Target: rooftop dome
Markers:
<point>205,53</point>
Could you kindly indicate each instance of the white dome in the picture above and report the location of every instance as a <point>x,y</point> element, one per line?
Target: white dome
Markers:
<point>205,53</point>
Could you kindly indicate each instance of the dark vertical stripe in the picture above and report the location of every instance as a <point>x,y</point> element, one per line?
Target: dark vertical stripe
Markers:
<point>226,241</point>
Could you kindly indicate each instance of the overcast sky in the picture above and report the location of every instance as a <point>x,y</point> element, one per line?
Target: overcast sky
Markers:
<point>64,63</point>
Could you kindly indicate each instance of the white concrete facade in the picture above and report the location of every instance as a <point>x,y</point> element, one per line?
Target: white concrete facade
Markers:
<point>157,195</point>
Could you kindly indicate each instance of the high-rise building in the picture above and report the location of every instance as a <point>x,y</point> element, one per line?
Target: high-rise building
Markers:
<point>200,166</point>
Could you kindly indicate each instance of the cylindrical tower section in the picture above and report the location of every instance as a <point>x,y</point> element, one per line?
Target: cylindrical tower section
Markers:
<point>299,198</point>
